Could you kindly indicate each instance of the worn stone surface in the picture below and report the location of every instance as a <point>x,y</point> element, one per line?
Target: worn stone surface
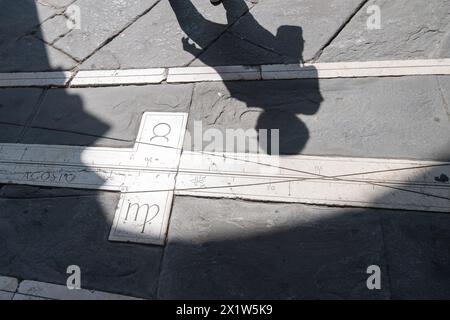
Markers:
<point>410,29</point>
<point>290,29</point>
<point>19,296</point>
<point>229,49</point>
<point>418,254</point>
<point>61,292</point>
<point>155,40</point>
<point>17,18</point>
<point>30,54</point>
<point>20,50</point>
<point>376,117</point>
<point>236,250</point>
<point>16,107</point>
<point>4,295</point>
<point>44,231</point>
<point>53,29</point>
<point>56,3</point>
<point>100,20</point>
<point>102,116</point>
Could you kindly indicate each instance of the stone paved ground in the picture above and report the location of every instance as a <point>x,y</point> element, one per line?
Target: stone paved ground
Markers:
<point>229,248</point>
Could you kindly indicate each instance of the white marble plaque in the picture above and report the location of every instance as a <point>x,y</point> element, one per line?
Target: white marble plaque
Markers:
<point>145,174</point>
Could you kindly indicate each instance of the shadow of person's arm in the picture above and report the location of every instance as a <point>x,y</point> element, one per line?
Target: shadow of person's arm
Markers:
<point>190,47</point>
<point>193,24</point>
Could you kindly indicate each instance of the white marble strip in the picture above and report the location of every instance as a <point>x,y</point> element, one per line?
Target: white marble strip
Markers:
<point>8,284</point>
<point>87,78</point>
<point>35,79</point>
<point>34,290</point>
<point>357,69</point>
<point>355,182</point>
<point>118,77</point>
<point>224,73</point>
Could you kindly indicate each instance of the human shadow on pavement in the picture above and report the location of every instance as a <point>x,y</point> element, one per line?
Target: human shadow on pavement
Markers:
<point>45,230</point>
<point>236,249</point>
<point>277,103</point>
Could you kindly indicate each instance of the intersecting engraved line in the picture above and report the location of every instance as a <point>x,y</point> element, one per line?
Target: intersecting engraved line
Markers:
<point>132,168</point>
<point>315,176</point>
<point>17,160</point>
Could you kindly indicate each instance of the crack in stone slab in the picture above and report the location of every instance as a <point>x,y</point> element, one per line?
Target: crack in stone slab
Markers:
<point>338,31</point>
<point>228,27</point>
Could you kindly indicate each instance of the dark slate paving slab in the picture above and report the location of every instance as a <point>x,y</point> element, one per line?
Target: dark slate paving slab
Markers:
<point>230,49</point>
<point>410,29</point>
<point>57,4</point>
<point>16,107</point>
<point>30,54</point>
<point>245,250</point>
<point>43,231</point>
<point>294,30</point>
<point>102,116</point>
<point>100,21</point>
<point>418,254</point>
<point>404,117</point>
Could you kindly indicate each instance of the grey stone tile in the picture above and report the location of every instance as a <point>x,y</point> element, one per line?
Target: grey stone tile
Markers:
<point>102,116</point>
<point>44,232</point>
<point>410,29</point>
<point>256,105</point>
<point>234,249</point>
<point>100,20</point>
<point>24,297</point>
<point>10,133</point>
<point>418,254</point>
<point>232,50</point>
<point>19,49</point>
<point>18,18</point>
<point>56,3</point>
<point>44,290</point>
<point>16,106</point>
<point>53,29</point>
<point>377,117</point>
<point>29,54</point>
<point>4,295</point>
<point>295,30</point>
<point>155,40</point>
<point>29,192</point>
<point>8,284</point>
<point>444,87</point>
